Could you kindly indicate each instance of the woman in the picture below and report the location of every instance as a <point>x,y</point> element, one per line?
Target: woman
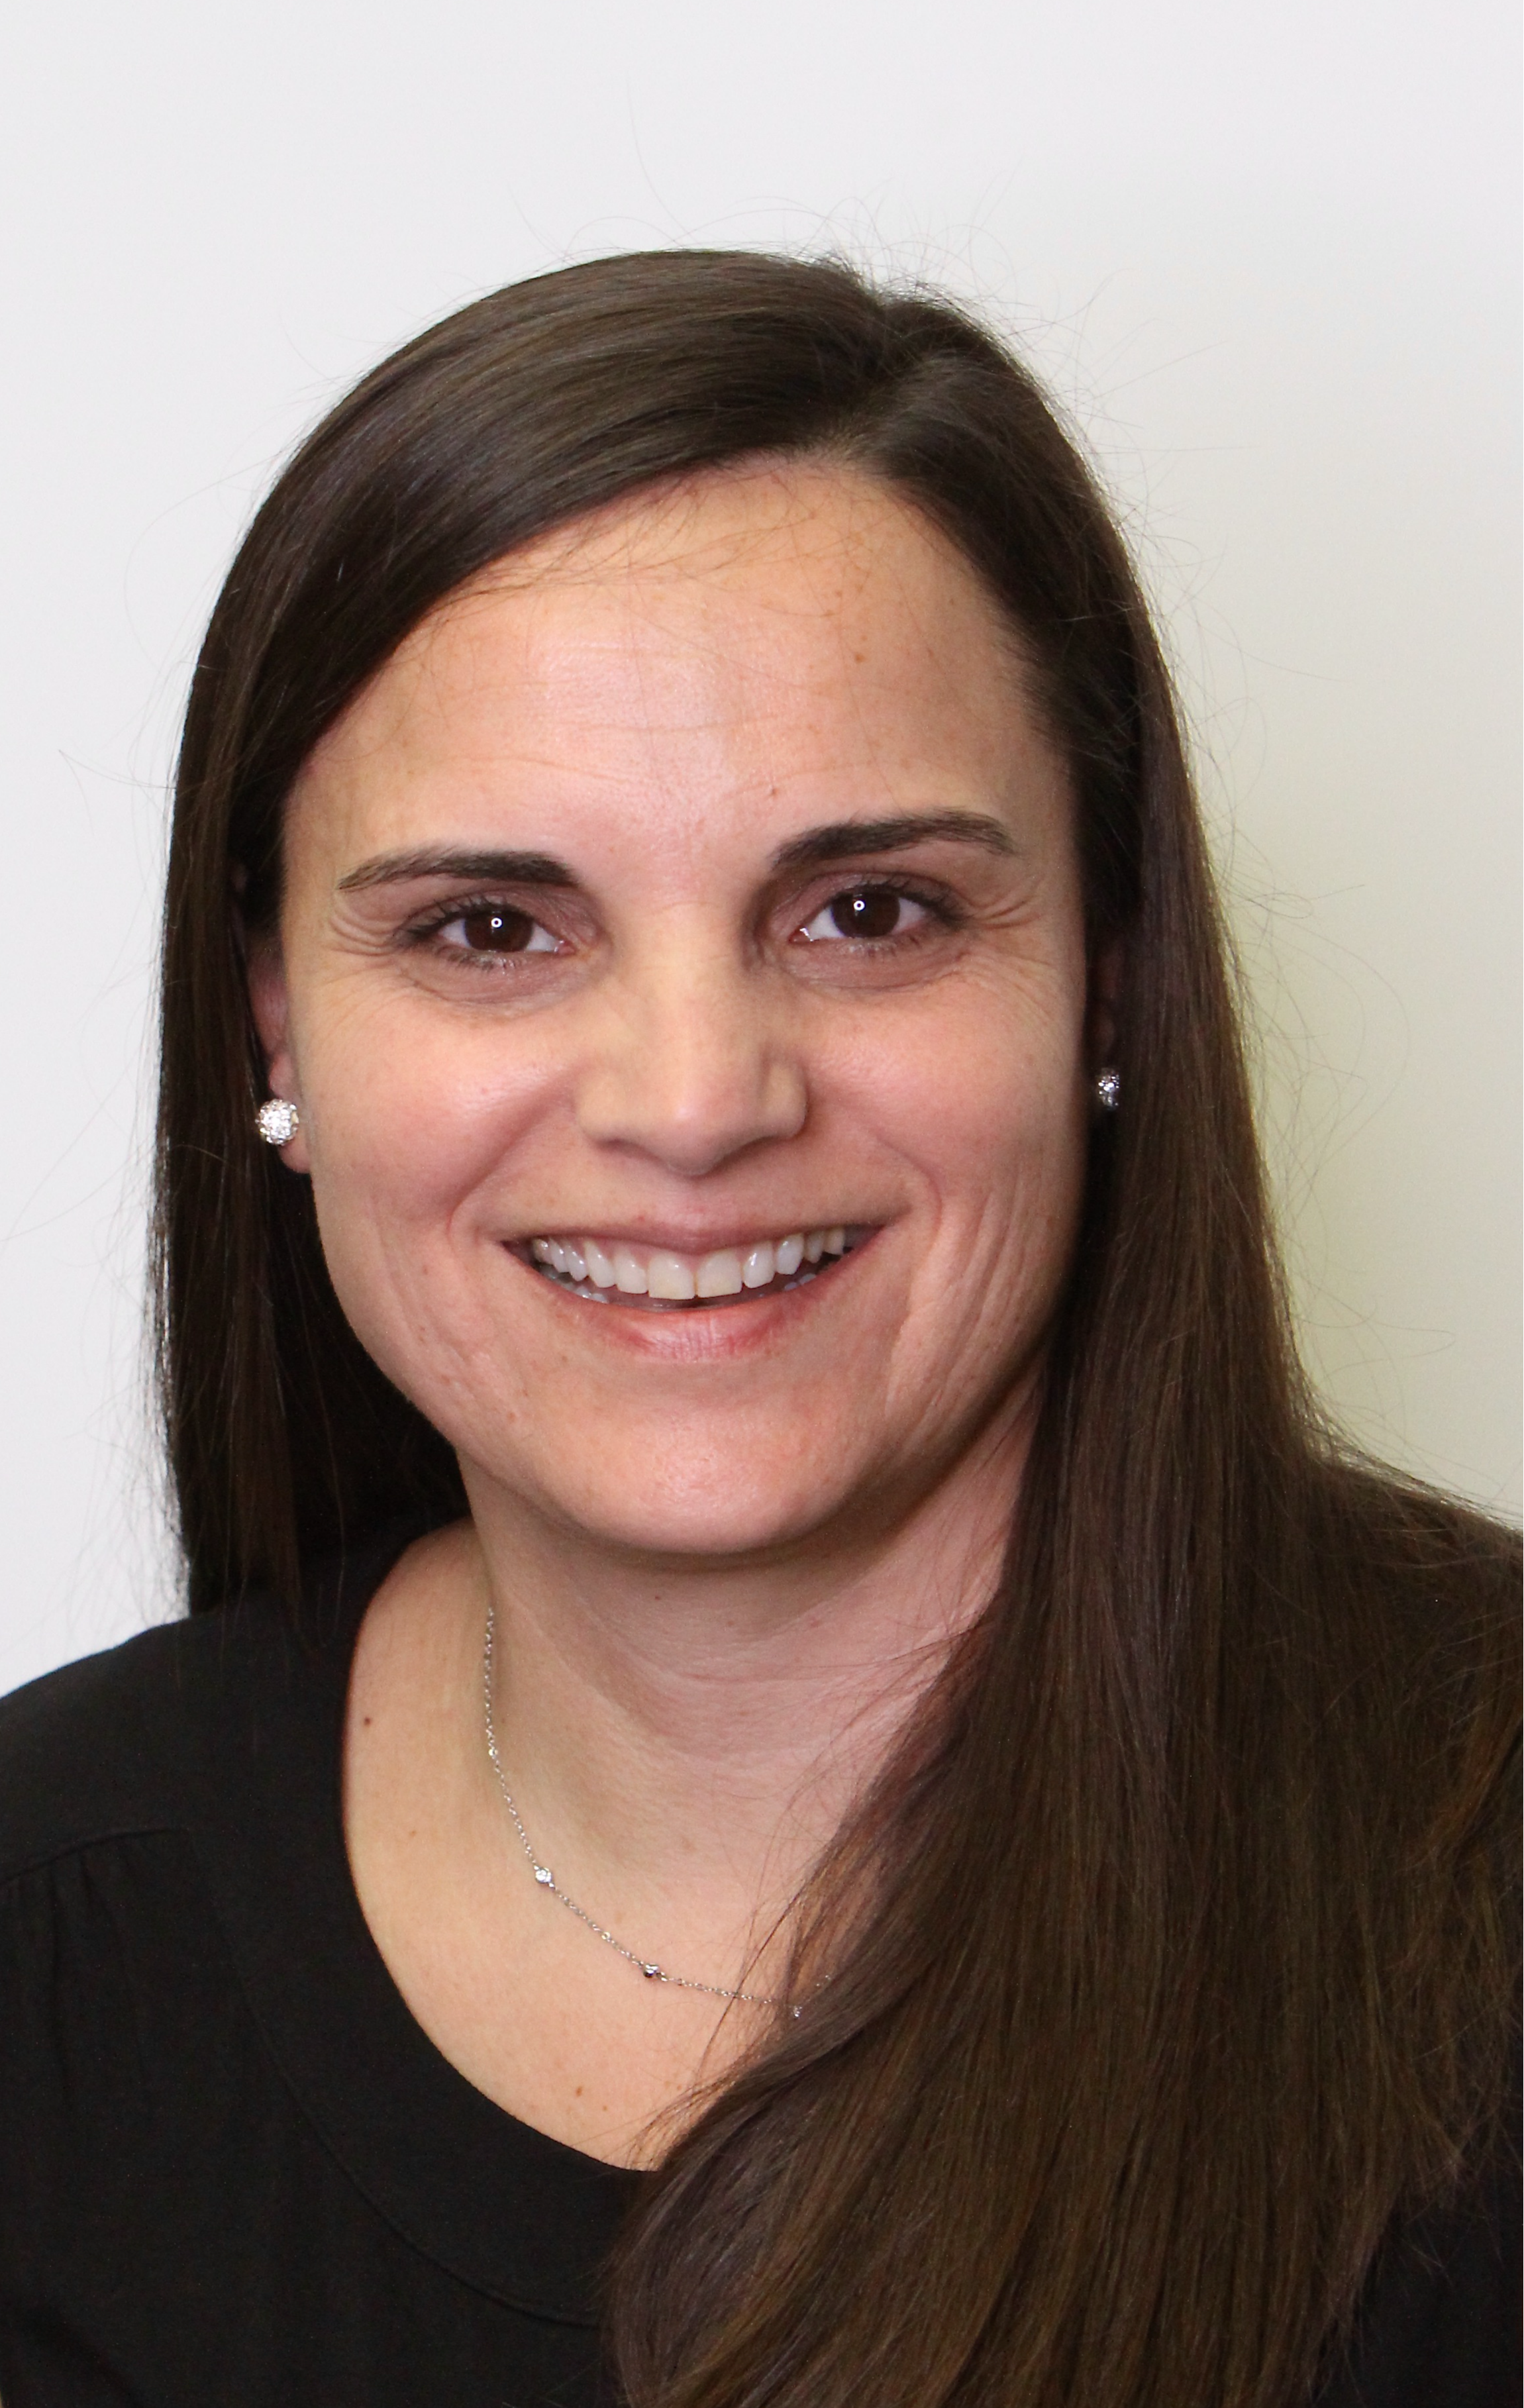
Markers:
<point>798,1773</point>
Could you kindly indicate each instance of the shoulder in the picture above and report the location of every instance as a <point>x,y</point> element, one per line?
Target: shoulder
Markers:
<point>1439,2318</point>
<point>1417,1626</point>
<point>188,1723</point>
<point>108,1745</point>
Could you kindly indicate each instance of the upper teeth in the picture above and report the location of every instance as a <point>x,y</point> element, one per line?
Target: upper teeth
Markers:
<point>680,1278</point>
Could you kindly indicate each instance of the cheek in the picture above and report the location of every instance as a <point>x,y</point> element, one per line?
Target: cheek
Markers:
<point>987,1100</point>
<point>1003,1171</point>
<point>413,1139</point>
<point>409,1123</point>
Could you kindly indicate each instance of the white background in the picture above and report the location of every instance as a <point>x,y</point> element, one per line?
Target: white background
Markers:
<point>1265,254</point>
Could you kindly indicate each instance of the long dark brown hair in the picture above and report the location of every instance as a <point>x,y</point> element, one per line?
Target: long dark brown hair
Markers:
<point>1172,1958</point>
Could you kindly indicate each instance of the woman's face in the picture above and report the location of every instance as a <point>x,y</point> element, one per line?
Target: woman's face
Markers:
<point>691,895</point>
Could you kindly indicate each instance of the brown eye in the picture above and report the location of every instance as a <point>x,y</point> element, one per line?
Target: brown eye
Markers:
<point>870,914</point>
<point>496,932</point>
<point>498,928</point>
<point>874,913</point>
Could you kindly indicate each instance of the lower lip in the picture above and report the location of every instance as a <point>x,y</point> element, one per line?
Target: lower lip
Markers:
<point>727,1324</point>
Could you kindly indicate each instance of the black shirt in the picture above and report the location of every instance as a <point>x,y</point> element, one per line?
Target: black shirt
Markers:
<point>234,2170</point>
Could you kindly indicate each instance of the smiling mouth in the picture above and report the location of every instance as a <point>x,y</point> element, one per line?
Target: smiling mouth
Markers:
<point>659,1281</point>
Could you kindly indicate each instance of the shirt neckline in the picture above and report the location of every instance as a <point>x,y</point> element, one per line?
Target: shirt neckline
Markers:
<point>518,2216</point>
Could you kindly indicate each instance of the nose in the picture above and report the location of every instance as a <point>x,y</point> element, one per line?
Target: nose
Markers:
<point>692,1062</point>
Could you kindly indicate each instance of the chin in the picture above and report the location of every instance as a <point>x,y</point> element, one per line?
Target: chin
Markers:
<point>665,1509</point>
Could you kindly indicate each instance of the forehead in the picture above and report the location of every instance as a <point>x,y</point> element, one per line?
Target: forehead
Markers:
<point>750,640</point>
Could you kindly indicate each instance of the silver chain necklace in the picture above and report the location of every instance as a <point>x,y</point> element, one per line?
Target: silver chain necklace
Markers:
<point>543,1875</point>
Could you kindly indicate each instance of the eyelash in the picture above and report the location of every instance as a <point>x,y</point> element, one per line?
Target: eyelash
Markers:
<point>939,906</point>
<point>423,930</point>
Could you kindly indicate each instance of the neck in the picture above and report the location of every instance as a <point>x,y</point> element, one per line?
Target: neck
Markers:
<point>688,1735</point>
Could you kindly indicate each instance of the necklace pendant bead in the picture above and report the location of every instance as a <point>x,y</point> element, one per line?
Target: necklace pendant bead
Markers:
<point>545,1879</point>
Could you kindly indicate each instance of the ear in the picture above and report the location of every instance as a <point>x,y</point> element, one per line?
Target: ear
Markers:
<point>270,1003</point>
<point>1108,964</point>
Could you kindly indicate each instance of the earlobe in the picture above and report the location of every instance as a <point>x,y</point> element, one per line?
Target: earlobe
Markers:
<point>1103,1014</point>
<point>269,1002</point>
<point>267,977</point>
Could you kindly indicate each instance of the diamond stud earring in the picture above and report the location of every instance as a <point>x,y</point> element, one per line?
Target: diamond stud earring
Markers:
<point>277,1120</point>
<point>1109,1090</point>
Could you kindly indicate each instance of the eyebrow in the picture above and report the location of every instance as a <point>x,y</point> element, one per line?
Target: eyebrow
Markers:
<point>840,839</point>
<point>483,868</point>
<point>844,837</point>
